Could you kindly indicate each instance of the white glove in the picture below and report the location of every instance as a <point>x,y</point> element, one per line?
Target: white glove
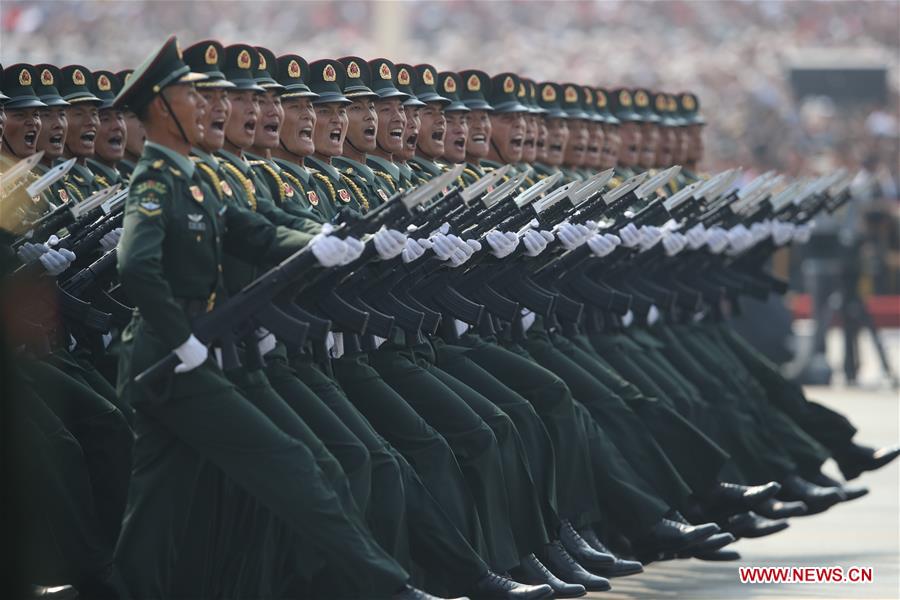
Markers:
<point>600,245</point>
<point>353,248</point>
<point>475,246</point>
<point>111,239</point>
<point>650,236</point>
<point>782,232</point>
<point>534,242</point>
<point>760,231</point>
<point>414,249</point>
<point>592,225</point>
<point>739,239</point>
<point>528,318</point>
<point>802,233</point>
<point>696,236</point>
<point>266,341</point>
<point>192,354</point>
<point>501,244</point>
<point>442,246</point>
<point>630,236</point>
<point>716,239</point>
<point>389,243</point>
<point>52,240</point>
<point>464,250</point>
<point>571,236</point>
<point>674,242</point>
<point>28,251</point>
<point>328,250</point>
<point>56,261</point>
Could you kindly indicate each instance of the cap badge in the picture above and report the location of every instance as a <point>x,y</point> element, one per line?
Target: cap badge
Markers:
<point>243,60</point>
<point>212,55</point>
<point>46,77</point>
<point>262,62</point>
<point>661,104</point>
<point>688,102</point>
<point>450,85</point>
<point>601,99</point>
<point>473,83</point>
<point>672,104</point>
<point>509,86</point>
<point>329,74</point>
<point>521,93</point>
<point>77,77</point>
<point>384,71</point>
<point>294,69</point>
<point>588,95</point>
<point>624,98</point>
<point>571,95</point>
<point>640,98</point>
<point>548,93</point>
<point>403,77</point>
<point>103,83</point>
<point>428,77</point>
<point>353,70</point>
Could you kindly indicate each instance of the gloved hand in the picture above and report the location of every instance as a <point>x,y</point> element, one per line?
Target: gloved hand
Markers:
<point>803,232</point>
<point>760,231</point>
<point>56,261</point>
<point>265,341</point>
<point>650,236</point>
<point>528,318</point>
<point>501,244</point>
<point>601,245</point>
<point>696,236</point>
<point>534,242</point>
<point>475,246</point>
<point>389,243</point>
<point>630,236</point>
<point>414,249</point>
<point>464,250</point>
<point>442,246</point>
<point>28,251</point>
<point>353,248</point>
<point>673,243</point>
<point>192,354</point>
<point>328,250</point>
<point>739,239</point>
<point>716,239</point>
<point>571,236</point>
<point>111,239</point>
<point>782,232</point>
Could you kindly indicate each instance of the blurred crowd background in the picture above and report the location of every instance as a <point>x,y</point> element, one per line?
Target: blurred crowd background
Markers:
<point>798,86</point>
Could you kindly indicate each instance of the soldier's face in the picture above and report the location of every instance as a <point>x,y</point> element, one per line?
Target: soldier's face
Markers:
<point>298,127</point>
<point>135,136</point>
<point>596,139</point>
<point>478,144</point>
<point>649,143</point>
<point>456,136</point>
<point>391,123</point>
<point>557,140</point>
<point>362,125</point>
<point>529,145</point>
<point>52,139</point>
<point>84,121</point>
<point>330,129</point>
<point>188,107</point>
<point>609,152</point>
<point>271,115</point>
<point>244,118</point>
<point>218,108</point>
<point>410,132</point>
<point>432,126</point>
<point>508,136</point>
<point>695,144</point>
<point>631,143</point>
<point>665,146</point>
<point>21,131</point>
<point>540,143</point>
<point>576,149</point>
<point>110,143</point>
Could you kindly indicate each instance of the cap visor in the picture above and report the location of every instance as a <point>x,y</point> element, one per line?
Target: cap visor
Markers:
<point>28,102</point>
<point>457,106</point>
<point>216,83</point>
<point>577,114</point>
<point>55,101</point>
<point>389,92</point>
<point>510,107</point>
<point>241,85</point>
<point>191,77</point>
<point>478,105</point>
<point>331,97</point>
<point>298,91</point>
<point>414,102</point>
<point>82,97</point>
<point>355,93</point>
<point>433,97</point>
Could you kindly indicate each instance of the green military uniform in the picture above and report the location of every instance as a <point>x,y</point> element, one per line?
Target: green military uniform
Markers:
<point>201,409</point>
<point>424,82</point>
<point>388,174</point>
<point>75,86</point>
<point>105,85</point>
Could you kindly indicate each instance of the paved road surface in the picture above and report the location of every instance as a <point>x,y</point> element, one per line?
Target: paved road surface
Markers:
<point>865,532</point>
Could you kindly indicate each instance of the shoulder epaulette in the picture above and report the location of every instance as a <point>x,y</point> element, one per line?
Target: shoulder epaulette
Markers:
<point>360,196</point>
<point>213,178</point>
<point>387,177</point>
<point>290,177</point>
<point>79,197</point>
<point>327,181</point>
<point>279,183</point>
<point>244,181</point>
<point>103,181</point>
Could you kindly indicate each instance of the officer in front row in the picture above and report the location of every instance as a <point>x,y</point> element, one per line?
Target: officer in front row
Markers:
<point>170,253</point>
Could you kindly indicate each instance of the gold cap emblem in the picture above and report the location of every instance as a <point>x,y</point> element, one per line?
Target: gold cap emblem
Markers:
<point>103,83</point>
<point>428,77</point>
<point>509,86</point>
<point>77,77</point>
<point>548,93</point>
<point>262,62</point>
<point>601,99</point>
<point>403,77</point>
<point>24,77</point>
<point>473,83</point>
<point>243,60</point>
<point>353,70</point>
<point>570,95</point>
<point>46,77</point>
<point>641,99</point>
<point>329,74</point>
<point>588,95</point>
<point>688,102</point>
<point>673,106</point>
<point>212,55</point>
<point>384,71</point>
<point>521,93</point>
<point>450,85</point>
<point>625,98</point>
<point>294,69</point>
<point>661,105</point>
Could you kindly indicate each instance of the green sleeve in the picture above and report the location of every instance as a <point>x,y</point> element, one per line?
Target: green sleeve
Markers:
<point>140,258</point>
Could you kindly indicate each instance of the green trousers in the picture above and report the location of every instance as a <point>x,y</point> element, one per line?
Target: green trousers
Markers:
<point>285,467</point>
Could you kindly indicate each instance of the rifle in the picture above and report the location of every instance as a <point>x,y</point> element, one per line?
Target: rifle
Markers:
<point>67,215</point>
<point>11,179</point>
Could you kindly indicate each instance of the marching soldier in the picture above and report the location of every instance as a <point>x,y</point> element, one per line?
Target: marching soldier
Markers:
<point>412,107</point>
<point>457,117</point>
<point>432,123</point>
<point>134,135</point>
<point>474,93</point>
<point>111,140</point>
<point>391,125</point>
<point>83,121</point>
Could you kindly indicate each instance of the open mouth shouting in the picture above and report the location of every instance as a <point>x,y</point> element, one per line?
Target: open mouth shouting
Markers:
<point>335,135</point>
<point>411,141</point>
<point>437,135</point>
<point>250,127</point>
<point>369,133</point>
<point>217,125</point>
<point>396,132</point>
<point>115,141</point>
<point>87,139</point>
<point>517,142</point>
<point>56,140</point>
<point>459,143</point>
<point>30,138</point>
<point>306,134</point>
<point>529,142</point>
